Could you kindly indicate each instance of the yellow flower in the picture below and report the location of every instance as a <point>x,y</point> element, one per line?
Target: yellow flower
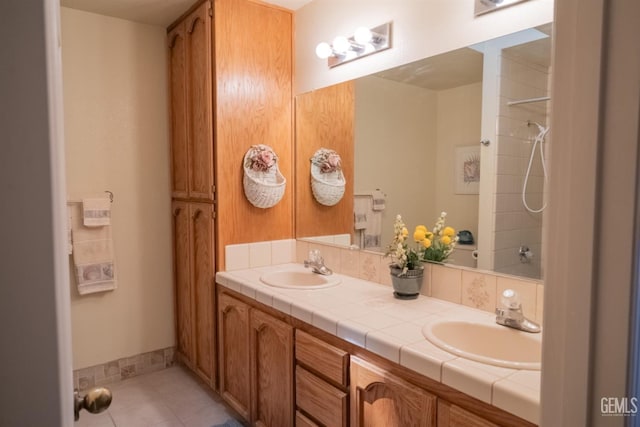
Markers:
<point>421,227</point>
<point>405,232</point>
<point>419,235</point>
<point>449,231</point>
<point>429,235</point>
<point>426,243</point>
<point>445,240</point>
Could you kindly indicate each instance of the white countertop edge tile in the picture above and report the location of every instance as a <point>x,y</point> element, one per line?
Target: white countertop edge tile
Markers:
<point>516,398</point>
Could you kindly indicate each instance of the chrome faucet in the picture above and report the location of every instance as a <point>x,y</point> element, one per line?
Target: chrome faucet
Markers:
<point>316,263</point>
<point>510,314</point>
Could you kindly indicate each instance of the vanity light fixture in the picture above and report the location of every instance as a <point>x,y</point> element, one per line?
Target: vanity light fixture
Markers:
<point>364,42</point>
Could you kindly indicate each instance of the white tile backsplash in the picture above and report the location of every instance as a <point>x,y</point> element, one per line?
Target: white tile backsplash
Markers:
<point>458,285</point>
<point>259,254</point>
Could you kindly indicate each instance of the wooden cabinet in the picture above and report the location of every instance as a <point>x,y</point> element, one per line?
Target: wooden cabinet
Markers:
<point>379,398</point>
<point>193,233</point>
<point>322,379</point>
<point>191,106</point>
<point>233,353</point>
<point>454,416</point>
<point>271,371</point>
<point>256,363</point>
<point>320,400</point>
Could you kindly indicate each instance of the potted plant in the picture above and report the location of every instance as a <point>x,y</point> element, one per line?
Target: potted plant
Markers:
<point>406,269</point>
<point>406,262</point>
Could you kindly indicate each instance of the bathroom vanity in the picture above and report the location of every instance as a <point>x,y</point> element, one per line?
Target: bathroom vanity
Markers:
<point>351,354</point>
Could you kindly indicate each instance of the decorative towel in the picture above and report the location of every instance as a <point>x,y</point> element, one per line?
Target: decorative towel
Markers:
<point>93,257</point>
<point>96,212</point>
<point>379,199</point>
<point>367,222</point>
<point>361,207</point>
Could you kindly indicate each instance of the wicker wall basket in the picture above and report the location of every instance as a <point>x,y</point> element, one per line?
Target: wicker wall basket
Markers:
<point>327,188</point>
<point>263,189</point>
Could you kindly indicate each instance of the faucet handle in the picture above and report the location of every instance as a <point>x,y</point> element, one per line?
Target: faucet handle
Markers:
<point>510,299</point>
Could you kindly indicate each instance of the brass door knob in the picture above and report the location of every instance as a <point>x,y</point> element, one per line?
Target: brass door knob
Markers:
<point>95,401</point>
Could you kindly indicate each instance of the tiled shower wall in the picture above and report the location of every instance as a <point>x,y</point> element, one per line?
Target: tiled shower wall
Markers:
<point>514,225</point>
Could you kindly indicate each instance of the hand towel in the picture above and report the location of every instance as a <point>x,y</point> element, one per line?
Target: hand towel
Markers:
<point>367,222</point>
<point>93,256</point>
<point>361,206</point>
<point>379,199</point>
<point>96,212</point>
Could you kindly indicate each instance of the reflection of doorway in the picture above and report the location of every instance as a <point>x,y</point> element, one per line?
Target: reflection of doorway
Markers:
<point>520,63</point>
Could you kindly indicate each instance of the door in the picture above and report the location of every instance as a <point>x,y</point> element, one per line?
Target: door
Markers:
<point>199,102</point>
<point>182,280</point>
<point>179,141</point>
<point>202,282</point>
<point>380,399</point>
<point>271,371</point>
<point>233,341</point>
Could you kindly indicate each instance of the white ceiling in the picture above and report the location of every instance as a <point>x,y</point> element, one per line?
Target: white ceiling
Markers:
<point>153,12</point>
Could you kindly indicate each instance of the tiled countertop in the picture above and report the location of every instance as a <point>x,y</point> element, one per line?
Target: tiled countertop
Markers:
<point>367,314</point>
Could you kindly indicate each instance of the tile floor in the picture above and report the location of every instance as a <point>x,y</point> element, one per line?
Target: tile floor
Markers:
<point>173,397</point>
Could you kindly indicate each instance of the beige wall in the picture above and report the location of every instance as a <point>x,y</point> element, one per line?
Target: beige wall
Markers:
<point>395,138</point>
<point>420,29</point>
<point>459,114</point>
<point>115,102</point>
<point>406,139</point>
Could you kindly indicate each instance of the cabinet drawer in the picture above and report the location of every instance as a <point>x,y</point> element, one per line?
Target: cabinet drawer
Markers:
<point>324,359</point>
<point>325,403</point>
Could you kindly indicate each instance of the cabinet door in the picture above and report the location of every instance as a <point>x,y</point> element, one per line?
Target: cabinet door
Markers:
<point>454,416</point>
<point>271,371</point>
<point>199,102</point>
<point>202,278</point>
<point>233,341</point>
<point>182,280</point>
<point>178,81</point>
<point>379,398</point>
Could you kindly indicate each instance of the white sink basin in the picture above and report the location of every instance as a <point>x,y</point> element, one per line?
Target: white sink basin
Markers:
<point>298,279</point>
<point>486,343</point>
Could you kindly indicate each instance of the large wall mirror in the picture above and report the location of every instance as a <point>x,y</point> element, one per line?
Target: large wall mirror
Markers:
<point>416,133</point>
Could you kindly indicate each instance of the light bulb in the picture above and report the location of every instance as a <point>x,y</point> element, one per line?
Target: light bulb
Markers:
<point>341,44</point>
<point>369,48</point>
<point>363,35</point>
<point>323,50</point>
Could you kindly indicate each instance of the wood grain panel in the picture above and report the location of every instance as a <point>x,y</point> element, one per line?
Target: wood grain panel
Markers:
<point>379,398</point>
<point>271,371</point>
<point>233,341</point>
<point>203,291</point>
<point>454,416</point>
<point>324,118</point>
<point>178,76</point>
<point>253,74</point>
<point>325,403</point>
<point>200,98</point>
<point>302,421</point>
<point>326,360</point>
<point>182,279</point>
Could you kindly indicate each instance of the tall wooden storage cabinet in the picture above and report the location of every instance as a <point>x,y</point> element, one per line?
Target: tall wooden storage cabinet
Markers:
<point>230,78</point>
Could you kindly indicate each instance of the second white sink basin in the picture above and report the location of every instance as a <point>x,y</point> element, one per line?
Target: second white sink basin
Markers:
<point>486,343</point>
<point>298,279</point>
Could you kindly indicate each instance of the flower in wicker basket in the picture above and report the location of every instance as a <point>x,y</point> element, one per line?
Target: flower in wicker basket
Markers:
<point>260,158</point>
<point>264,184</point>
<point>327,160</point>
<point>327,179</point>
